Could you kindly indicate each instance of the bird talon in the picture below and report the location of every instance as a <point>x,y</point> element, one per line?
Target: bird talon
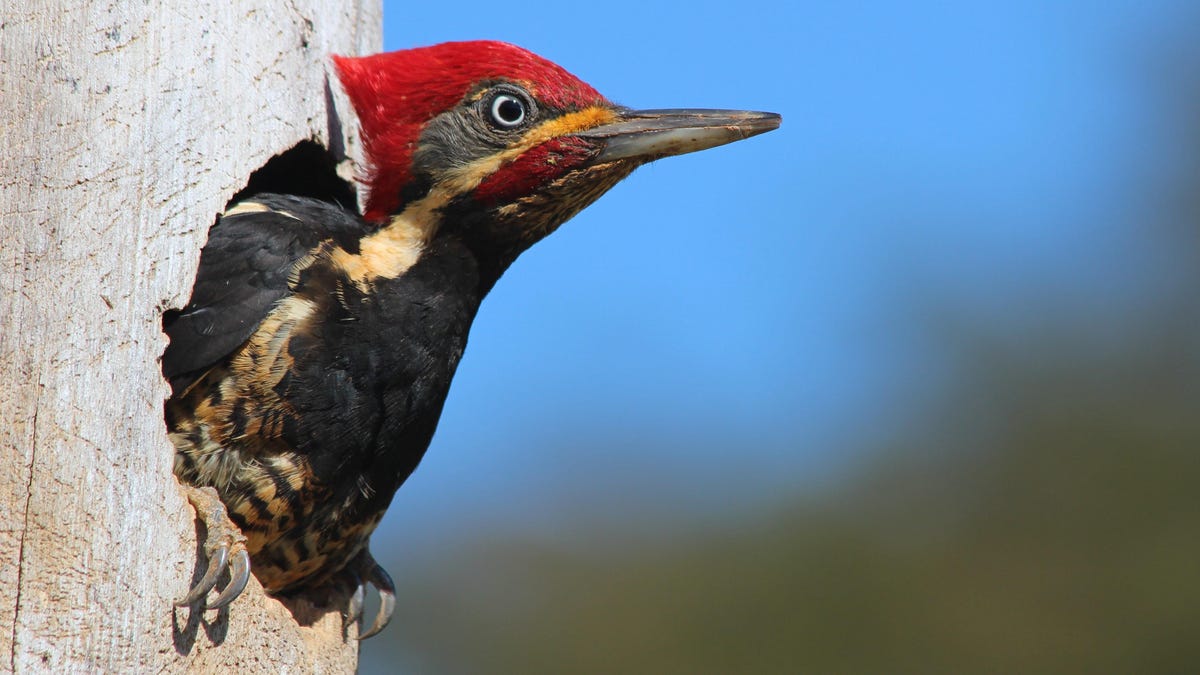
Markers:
<point>354,613</point>
<point>223,538</point>
<point>239,576</point>
<point>217,562</point>
<point>372,573</point>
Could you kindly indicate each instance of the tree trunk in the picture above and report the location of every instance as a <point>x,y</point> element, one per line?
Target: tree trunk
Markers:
<point>124,129</point>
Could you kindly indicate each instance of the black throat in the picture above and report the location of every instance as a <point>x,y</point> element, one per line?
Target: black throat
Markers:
<point>375,373</point>
<point>496,235</point>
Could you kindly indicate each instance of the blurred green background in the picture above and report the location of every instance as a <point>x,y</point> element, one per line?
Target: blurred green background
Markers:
<point>934,407</point>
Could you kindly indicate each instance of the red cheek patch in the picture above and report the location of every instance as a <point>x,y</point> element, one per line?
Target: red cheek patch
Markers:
<point>396,94</point>
<point>537,166</point>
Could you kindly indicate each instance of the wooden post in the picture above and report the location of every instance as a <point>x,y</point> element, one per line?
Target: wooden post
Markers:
<point>124,128</point>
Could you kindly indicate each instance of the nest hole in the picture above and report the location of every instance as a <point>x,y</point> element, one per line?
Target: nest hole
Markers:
<point>308,169</point>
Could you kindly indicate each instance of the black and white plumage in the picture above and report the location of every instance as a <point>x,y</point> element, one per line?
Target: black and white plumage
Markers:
<point>311,364</point>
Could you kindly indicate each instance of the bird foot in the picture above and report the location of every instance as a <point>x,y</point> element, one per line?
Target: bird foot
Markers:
<point>367,571</point>
<point>225,547</point>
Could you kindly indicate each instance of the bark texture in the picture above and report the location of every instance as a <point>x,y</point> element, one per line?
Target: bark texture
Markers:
<point>124,128</point>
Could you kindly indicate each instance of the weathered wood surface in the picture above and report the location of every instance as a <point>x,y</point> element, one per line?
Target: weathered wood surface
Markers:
<point>124,128</point>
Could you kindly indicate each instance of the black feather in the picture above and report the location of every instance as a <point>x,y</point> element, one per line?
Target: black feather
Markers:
<point>244,271</point>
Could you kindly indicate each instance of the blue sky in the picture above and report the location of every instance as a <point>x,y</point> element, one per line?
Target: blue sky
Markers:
<point>721,329</point>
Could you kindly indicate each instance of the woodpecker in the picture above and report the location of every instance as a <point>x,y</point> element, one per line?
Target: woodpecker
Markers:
<point>309,368</point>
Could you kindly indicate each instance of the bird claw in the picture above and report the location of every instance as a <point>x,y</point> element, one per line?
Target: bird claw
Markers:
<point>223,539</point>
<point>370,572</point>
<point>354,613</point>
<point>216,565</point>
<point>239,576</point>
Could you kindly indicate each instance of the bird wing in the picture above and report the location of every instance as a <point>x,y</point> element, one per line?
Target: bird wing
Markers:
<point>244,270</point>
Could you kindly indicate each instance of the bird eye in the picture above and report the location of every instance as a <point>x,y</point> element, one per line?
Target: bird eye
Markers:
<point>507,111</point>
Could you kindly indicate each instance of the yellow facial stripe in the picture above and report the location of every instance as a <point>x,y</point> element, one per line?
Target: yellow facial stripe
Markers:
<point>389,252</point>
<point>570,123</point>
<point>467,178</point>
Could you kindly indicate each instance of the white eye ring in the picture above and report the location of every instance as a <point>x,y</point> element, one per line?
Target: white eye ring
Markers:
<point>507,111</point>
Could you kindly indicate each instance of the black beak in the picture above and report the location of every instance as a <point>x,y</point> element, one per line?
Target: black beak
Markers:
<point>647,135</point>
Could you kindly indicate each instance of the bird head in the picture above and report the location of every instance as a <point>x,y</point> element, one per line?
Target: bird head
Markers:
<point>497,146</point>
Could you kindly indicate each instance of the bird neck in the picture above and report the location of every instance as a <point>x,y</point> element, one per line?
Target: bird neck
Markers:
<point>492,243</point>
<point>418,324</point>
<point>498,234</point>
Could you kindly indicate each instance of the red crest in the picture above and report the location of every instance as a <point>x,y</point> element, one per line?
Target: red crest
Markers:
<point>395,94</point>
